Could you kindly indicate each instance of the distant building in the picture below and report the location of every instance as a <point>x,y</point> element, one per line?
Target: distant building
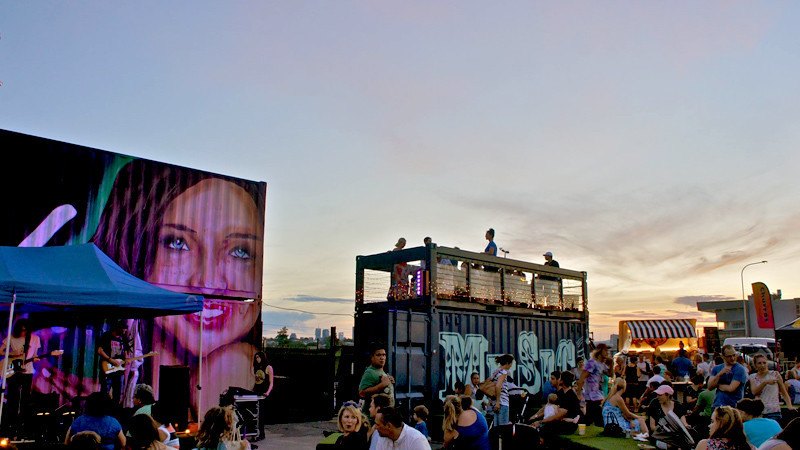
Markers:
<point>341,335</point>
<point>613,341</point>
<point>730,315</point>
<point>326,333</point>
<point>318,333</point>
<point>293,337</point>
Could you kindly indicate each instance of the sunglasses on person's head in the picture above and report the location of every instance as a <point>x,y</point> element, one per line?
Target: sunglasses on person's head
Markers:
<point>349,403</point>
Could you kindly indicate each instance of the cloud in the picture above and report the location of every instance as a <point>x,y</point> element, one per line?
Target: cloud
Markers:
<point>302,298</point>
<point>692,300</point>
<point>662,236</point>
<point>286,318</point>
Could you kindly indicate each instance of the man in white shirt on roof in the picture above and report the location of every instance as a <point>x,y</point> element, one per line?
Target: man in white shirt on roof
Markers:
<point>396,435</point>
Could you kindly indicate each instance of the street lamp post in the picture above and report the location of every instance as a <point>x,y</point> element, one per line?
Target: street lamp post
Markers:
<point>744,299</point>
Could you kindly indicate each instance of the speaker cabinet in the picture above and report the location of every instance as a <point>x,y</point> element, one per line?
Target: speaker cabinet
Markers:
<point>173,393</point>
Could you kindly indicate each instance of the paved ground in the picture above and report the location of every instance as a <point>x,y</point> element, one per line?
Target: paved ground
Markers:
<point>288,436</point>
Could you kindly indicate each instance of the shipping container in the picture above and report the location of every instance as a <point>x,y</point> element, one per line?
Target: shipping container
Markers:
<point>444,313</point>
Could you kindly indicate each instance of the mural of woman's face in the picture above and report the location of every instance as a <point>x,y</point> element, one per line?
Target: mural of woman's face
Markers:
<point>209,242</point>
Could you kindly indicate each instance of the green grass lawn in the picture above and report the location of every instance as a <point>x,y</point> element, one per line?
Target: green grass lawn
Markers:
<point>592,439</point>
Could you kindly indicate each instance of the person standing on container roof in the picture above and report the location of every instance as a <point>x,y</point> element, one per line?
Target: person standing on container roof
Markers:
<point>549,261</point>
<point>491,247</point>
<point>399,288</point>
<point>375,380</point>
<point>425,243</point>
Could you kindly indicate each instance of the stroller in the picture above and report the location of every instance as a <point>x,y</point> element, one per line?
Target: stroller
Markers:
<point>516,435</point>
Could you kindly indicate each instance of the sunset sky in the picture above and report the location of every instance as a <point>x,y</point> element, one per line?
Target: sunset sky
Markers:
<point>653,145</point>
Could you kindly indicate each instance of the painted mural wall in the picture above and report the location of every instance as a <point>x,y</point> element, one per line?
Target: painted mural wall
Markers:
<point>182,229</point>
<point>464,354</point>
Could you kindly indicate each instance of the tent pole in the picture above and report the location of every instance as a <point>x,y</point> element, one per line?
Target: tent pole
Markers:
<point>200,368</point>
<point>8,349</point>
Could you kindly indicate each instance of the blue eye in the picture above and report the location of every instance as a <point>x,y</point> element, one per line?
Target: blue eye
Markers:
<point>176,243</point>
<point>241,253</point>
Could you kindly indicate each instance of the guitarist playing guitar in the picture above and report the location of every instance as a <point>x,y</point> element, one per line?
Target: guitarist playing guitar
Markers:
<point>24,345</point>
<point>112,348</point>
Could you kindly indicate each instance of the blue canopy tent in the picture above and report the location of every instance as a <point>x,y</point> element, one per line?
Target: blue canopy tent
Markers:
<point>81,279</point>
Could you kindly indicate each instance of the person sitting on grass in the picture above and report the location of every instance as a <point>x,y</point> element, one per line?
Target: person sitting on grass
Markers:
<point>565,421</point>
<point>219,431</point>
<point>615,407</point>
<point>727,432</point>
<point>649,394</point>
<point>700,416</point>
<point>464,426</point>
<point>667,420</point>
<point>757,429</point>
<point>787,439</point>
<point>144,434</point>
<point>551,408</point>
<point>97,418</point>
<point>85,440</point>
<point>693,391</point>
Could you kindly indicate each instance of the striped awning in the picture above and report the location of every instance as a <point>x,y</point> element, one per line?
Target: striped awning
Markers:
<point>665,329</point>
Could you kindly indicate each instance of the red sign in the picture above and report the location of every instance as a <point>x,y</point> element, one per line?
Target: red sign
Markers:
<point>763,304</point>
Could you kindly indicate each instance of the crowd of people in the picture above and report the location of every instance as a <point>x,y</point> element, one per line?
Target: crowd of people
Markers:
<point>727,401</point>
<point>100,427</point>
<point>703,402</point>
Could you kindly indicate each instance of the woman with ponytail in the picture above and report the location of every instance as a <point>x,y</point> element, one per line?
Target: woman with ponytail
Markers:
<point>464,425</point>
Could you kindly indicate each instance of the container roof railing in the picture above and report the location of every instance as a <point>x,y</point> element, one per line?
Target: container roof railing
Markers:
<point>443,273</point>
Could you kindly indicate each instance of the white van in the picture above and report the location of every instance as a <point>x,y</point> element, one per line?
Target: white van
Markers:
<point>749,346</point>
<point>738,342</point>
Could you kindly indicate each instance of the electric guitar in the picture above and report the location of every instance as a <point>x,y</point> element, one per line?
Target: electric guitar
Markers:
<point>18,365</point>
<point>109,368</point>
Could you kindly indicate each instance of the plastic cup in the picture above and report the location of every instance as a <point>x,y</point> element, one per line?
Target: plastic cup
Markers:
<point>581,429</point>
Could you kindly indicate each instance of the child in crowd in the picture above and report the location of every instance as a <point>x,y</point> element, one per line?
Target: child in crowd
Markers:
<point>551,408</point>
<point>420,416</point>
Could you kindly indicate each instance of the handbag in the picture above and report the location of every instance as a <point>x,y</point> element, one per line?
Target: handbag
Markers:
<point>489,386</point>
<point>612,427</point>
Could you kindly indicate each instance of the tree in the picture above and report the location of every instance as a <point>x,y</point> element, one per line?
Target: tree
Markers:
<point>283,337</point>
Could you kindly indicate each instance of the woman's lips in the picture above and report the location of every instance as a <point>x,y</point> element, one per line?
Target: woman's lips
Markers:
<point>213,315</point>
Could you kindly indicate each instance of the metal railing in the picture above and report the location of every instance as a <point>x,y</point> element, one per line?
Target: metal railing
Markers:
<point>441,273</point>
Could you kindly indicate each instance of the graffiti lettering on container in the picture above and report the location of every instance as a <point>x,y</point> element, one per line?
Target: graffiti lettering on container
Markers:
<point>466,354</point>
<point>462,356</point>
